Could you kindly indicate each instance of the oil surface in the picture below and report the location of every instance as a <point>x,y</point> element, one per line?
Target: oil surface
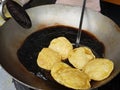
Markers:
<point>29,50</point>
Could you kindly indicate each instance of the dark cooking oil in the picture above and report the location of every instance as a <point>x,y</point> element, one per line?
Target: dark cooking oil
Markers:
<point>33,44</point>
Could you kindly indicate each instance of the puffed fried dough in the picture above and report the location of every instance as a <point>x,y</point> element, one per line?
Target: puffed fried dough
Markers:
<point>99,69</point>
<point>70,77</point>
<point>79,57</point>
<point>62,46</point>
<point>58,67</point>
<point>47,58</point>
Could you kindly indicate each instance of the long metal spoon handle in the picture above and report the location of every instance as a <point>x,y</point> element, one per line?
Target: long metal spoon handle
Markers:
<point>80,24</point>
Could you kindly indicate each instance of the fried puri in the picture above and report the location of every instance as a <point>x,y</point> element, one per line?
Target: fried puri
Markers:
<point>79,57</point>
<point>59,66</point>
<point>99,69</point>
<point>87,67</point>
<point>62,46</point>
<point>70,77</point>
<point>47,58</point>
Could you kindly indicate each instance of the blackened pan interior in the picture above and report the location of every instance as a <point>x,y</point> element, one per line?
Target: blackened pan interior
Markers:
<point>29,50</point>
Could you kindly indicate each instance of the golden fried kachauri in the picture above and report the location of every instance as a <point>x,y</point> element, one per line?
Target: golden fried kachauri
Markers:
<point>79,57</point>
<point>47,58</point>
<point>70,77</point>
<point>62,46</point>
<point>99,69</point>
<point>86,66</point>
